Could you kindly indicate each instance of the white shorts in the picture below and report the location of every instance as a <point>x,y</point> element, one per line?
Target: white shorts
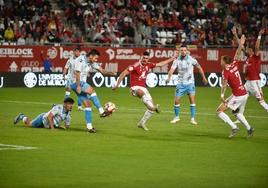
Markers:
<point>253,88</point>
<point>237,102</point>
<point>134,90</point>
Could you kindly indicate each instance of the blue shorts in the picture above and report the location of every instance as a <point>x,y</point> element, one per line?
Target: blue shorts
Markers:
<point>83,95</point>
<point>38,121</point>
<point>182,89</point>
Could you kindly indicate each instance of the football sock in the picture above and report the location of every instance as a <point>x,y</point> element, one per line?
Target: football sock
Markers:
<point>88,115</point>
<point>79,102</point>
<point>94,98</point>
<point>177,110</point>
<point>148,102</point>
<point>147,116</point>
<point>89,126</point>
<point>226,119</point>
<point>24,119</point>
<point>192,110</point>
<point>243,120</point>
<point>264,104</point>
<point>67,94</point>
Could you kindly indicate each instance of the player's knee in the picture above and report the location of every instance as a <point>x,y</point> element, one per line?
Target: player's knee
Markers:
<point>235,112</point>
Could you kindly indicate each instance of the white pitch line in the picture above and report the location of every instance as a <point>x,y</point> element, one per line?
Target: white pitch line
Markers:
<point>133,109</point>
<point>15,147</point>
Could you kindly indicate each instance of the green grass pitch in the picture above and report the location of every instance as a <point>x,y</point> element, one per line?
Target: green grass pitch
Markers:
<point>121,155</point>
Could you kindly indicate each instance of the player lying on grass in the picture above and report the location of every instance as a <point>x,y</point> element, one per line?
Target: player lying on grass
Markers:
<point>86,93</point>
<point>67,74</point>
<point>138,72</point>
<point>237,101</point>
<point>185,65</point>
<point>50,119</point>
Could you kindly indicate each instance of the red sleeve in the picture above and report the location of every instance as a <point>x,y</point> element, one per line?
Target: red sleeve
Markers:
<point>151,65</point>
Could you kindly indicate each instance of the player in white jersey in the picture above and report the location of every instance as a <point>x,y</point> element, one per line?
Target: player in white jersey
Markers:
<point>85,92</point>
<point>68,71</point>
<point>186,83</point>
<point>50,119</point>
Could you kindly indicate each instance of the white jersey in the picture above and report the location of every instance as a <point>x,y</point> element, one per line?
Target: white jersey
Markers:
<point>81,65</point>
<point>185,68</point>
<point>59,115</point>
<point>70,66</point>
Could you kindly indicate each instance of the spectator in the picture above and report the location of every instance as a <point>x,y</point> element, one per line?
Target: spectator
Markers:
<point>9,34</point>
<point>29,39</point>
<point>21,40</point>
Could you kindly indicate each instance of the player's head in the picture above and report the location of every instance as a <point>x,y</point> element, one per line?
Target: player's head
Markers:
<point>68,103</point>
<point>76,51</point>
<point>145,57</point>
<point>183,50</point>
<point>249,50</point>
<point>226,60</point>
<point>93,55</point>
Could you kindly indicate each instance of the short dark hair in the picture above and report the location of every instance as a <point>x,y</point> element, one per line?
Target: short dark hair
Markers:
<point>68,100</point>
<point>227,59</point>
<point>93,52</point>
<point>183,46</point>
<point>77,48</point>
<point>146,53</point>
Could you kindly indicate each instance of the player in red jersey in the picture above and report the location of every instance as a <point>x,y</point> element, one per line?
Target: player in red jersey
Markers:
<point>138,72</point>
<point>237,101</point>
<point>253,69</point>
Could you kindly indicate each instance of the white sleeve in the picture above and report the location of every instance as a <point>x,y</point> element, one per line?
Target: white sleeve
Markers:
<point>67,65</point>
<point>194,62</point>
<point>55,110</point>
<point>174,64</point>
<point>95,66</point>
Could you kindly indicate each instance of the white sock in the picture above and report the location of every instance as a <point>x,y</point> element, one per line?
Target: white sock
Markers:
<point>264,104</point>
<point>226,119</point>
<point>24,119</point>
<point>89,125</point>
<point>101,110</point>
<point>67,93</point>
<point>243,120</point>
<point>147,101</point>
<point>146,116</point>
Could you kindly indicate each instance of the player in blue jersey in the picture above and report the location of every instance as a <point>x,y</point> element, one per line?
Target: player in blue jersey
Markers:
<point>67,74</point>
<point>185,64</point>
<point>50,119</point>
<point>86,93</point>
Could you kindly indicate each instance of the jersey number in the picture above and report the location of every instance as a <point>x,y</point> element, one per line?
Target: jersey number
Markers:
<point>238,76</point>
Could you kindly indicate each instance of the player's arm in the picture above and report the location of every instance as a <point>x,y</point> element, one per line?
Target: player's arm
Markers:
<point>223,90</point>
<point>162,63</point>
<point>66,68</point>
<point>50,118</point>
<point>77,80</point>
<point>258,42</point>
<point>104,72</point>
<point>201,71</point>
<point>240,47</point>
<point>234,31</point>
<point>170,72</point>
<point>121,77</point>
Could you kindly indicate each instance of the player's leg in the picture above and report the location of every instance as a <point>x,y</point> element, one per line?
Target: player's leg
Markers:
<point>179,92</point>
<point>222,115</point>
<point>36,123</point>
<point>239,114</point>
<point>23,118</point>
<point>87,113</point>
<point>259,95</point>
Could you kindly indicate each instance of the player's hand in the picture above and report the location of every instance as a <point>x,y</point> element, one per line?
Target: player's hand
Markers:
<point>113,74</point>
<point>78,89</point>
<point>234,30</point>
<point>262,31</point>
<point>167,81</point>
<point>223,100</point>
<point>205,81</point>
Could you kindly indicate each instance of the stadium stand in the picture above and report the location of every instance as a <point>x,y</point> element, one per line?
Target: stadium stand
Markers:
<point>135,22</point>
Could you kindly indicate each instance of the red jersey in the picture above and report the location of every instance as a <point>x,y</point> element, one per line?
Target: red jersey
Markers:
<point>138,73</point>
<point>232,75</point>
<point>253,68</point>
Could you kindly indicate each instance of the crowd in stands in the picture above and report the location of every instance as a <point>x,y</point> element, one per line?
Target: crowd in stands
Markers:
<point>137,22</point>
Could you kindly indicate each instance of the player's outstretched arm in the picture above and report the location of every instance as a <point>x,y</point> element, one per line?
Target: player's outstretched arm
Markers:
<point>240,47</point>
<point>121,77</point>
<point>162,63</point>
<point>234,31</point>
<point>50,120</point>
<point>223,90</point>
<point>258,42</point>
<point>108,73</point>
<point>201,71</point>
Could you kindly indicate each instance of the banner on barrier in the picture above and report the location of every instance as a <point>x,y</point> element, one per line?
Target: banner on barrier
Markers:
<point>30,58</point>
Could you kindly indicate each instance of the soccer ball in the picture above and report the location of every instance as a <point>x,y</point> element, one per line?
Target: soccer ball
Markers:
<point>109,107</point>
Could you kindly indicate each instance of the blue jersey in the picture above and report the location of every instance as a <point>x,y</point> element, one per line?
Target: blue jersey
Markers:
<point>185,66</point>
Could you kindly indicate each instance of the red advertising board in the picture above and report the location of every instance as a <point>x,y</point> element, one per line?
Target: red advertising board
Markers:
<point>29,58</point>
